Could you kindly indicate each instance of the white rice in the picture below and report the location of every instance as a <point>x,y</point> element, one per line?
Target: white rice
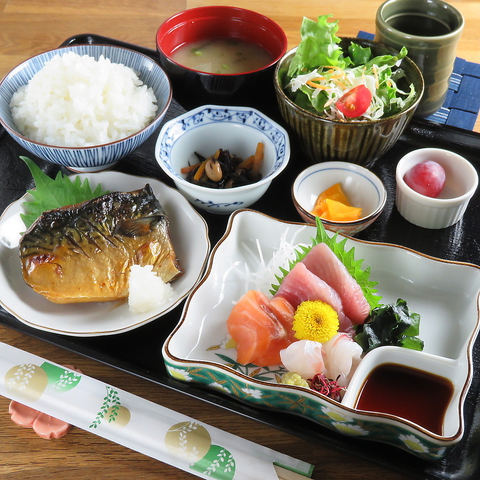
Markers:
<point>147,291</point>
<point>77,101</point>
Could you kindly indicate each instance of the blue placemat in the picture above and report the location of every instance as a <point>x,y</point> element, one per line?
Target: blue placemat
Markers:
<point>462,103</point>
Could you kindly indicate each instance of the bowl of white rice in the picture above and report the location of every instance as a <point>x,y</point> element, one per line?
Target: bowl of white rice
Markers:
<point>84,107</point>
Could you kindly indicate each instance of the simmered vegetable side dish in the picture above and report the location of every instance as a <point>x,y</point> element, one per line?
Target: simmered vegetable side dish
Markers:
<point>225,170</point>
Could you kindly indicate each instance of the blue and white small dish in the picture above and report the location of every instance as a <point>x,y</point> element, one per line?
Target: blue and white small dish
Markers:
<point>206,129</point>
<point>95,158</point>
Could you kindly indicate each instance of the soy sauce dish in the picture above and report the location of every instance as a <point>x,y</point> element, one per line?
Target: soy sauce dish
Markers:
<point>393,382</point>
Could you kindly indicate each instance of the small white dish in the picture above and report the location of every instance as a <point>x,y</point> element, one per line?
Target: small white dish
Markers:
<point>101,318</point>
<point>449,207</point>
<point>361,186</point>
<point>445,294</point>
<point>205,130</point>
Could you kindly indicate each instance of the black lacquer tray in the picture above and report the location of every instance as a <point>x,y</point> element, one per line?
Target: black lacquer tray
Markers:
<point>139,351</point>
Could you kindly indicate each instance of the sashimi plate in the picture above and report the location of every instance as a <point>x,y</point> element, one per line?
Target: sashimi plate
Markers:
<point>102,318</point>
<point>444,293</point>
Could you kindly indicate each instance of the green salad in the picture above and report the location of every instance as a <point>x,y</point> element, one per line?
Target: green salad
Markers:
<point>351,85</point>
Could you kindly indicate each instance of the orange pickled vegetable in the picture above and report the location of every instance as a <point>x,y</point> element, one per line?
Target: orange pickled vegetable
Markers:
<point>333,204</point>
<point>247,163</point>
<point>190,168</point>
<point>340,212</point>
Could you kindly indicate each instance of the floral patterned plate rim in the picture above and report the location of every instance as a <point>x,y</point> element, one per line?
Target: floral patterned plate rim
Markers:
<point>445,294</point>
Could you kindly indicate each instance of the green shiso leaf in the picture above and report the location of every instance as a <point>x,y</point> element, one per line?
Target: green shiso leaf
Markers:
<point>354,267</point>
<point>54,193</point>
<point>392,324</point>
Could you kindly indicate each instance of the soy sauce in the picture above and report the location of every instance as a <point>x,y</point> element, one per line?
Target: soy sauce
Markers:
<point>420,25</point>
<point>409,393</point>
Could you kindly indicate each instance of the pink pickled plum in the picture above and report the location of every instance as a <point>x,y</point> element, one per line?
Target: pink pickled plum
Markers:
<point>426,178</point>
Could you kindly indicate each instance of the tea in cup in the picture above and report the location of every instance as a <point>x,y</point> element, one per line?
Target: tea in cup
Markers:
<point>430,30</point>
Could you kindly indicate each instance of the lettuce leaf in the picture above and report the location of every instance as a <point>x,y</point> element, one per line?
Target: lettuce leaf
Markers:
<point>318,46</point>
<point>359,55</point>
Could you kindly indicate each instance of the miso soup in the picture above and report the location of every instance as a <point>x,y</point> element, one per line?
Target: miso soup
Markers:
<point>222,55</point>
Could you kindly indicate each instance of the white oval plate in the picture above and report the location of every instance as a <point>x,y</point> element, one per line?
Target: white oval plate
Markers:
<point>101,318</point>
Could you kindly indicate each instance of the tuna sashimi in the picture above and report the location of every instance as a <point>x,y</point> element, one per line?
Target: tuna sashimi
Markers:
<point>325,264</point>
<point>258,333</point>
<point>301,285</point>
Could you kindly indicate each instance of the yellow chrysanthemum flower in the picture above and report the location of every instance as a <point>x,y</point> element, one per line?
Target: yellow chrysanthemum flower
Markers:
<point>315,320</point>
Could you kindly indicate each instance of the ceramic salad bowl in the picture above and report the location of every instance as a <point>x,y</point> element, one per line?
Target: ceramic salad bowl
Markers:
<point>445,294</point>
<point>362,143</point>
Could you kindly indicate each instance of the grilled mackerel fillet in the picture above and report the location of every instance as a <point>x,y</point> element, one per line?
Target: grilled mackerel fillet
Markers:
<point>83,252</point>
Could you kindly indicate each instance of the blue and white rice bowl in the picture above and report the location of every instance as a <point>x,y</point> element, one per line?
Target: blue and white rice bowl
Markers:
<point>91,158</point>
<point>236,129</point>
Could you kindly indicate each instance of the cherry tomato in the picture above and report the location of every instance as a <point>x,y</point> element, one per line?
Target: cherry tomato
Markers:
<point>355,102</point>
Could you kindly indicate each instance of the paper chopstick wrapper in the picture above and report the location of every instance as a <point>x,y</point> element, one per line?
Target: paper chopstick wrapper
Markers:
<point>134,422</point>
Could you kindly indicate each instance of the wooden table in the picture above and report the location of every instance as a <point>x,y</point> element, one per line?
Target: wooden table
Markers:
<point>28,27</point>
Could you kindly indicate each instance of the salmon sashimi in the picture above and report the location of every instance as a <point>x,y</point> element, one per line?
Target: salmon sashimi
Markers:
<point>301,285</point>
<point>258,333</point>
<point>323,262</point>
<point>284,311</point>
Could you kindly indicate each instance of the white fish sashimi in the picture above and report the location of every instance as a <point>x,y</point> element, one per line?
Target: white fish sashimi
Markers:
<point>304,357</point>
<point>342,356</point>
<point>323,262</point>
<point>337,359</point>
<point>301,285</point>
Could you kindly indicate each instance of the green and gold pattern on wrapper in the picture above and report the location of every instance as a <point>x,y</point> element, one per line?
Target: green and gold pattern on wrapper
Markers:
<point>29,381</point>
<point>191,440</point>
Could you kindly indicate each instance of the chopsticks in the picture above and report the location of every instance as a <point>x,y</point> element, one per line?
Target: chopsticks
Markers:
<point>139,424</point>
<point>284,474</point>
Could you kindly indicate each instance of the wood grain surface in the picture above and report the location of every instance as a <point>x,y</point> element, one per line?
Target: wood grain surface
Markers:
<point>29,27</point>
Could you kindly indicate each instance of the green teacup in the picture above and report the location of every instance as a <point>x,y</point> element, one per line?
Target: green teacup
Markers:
<point>430,29</point>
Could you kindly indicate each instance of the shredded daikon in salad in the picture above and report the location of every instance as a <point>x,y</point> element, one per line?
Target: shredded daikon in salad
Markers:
<point>320,75</point>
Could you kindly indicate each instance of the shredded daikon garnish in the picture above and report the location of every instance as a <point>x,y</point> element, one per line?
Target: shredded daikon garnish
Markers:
<point>262,278</point>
